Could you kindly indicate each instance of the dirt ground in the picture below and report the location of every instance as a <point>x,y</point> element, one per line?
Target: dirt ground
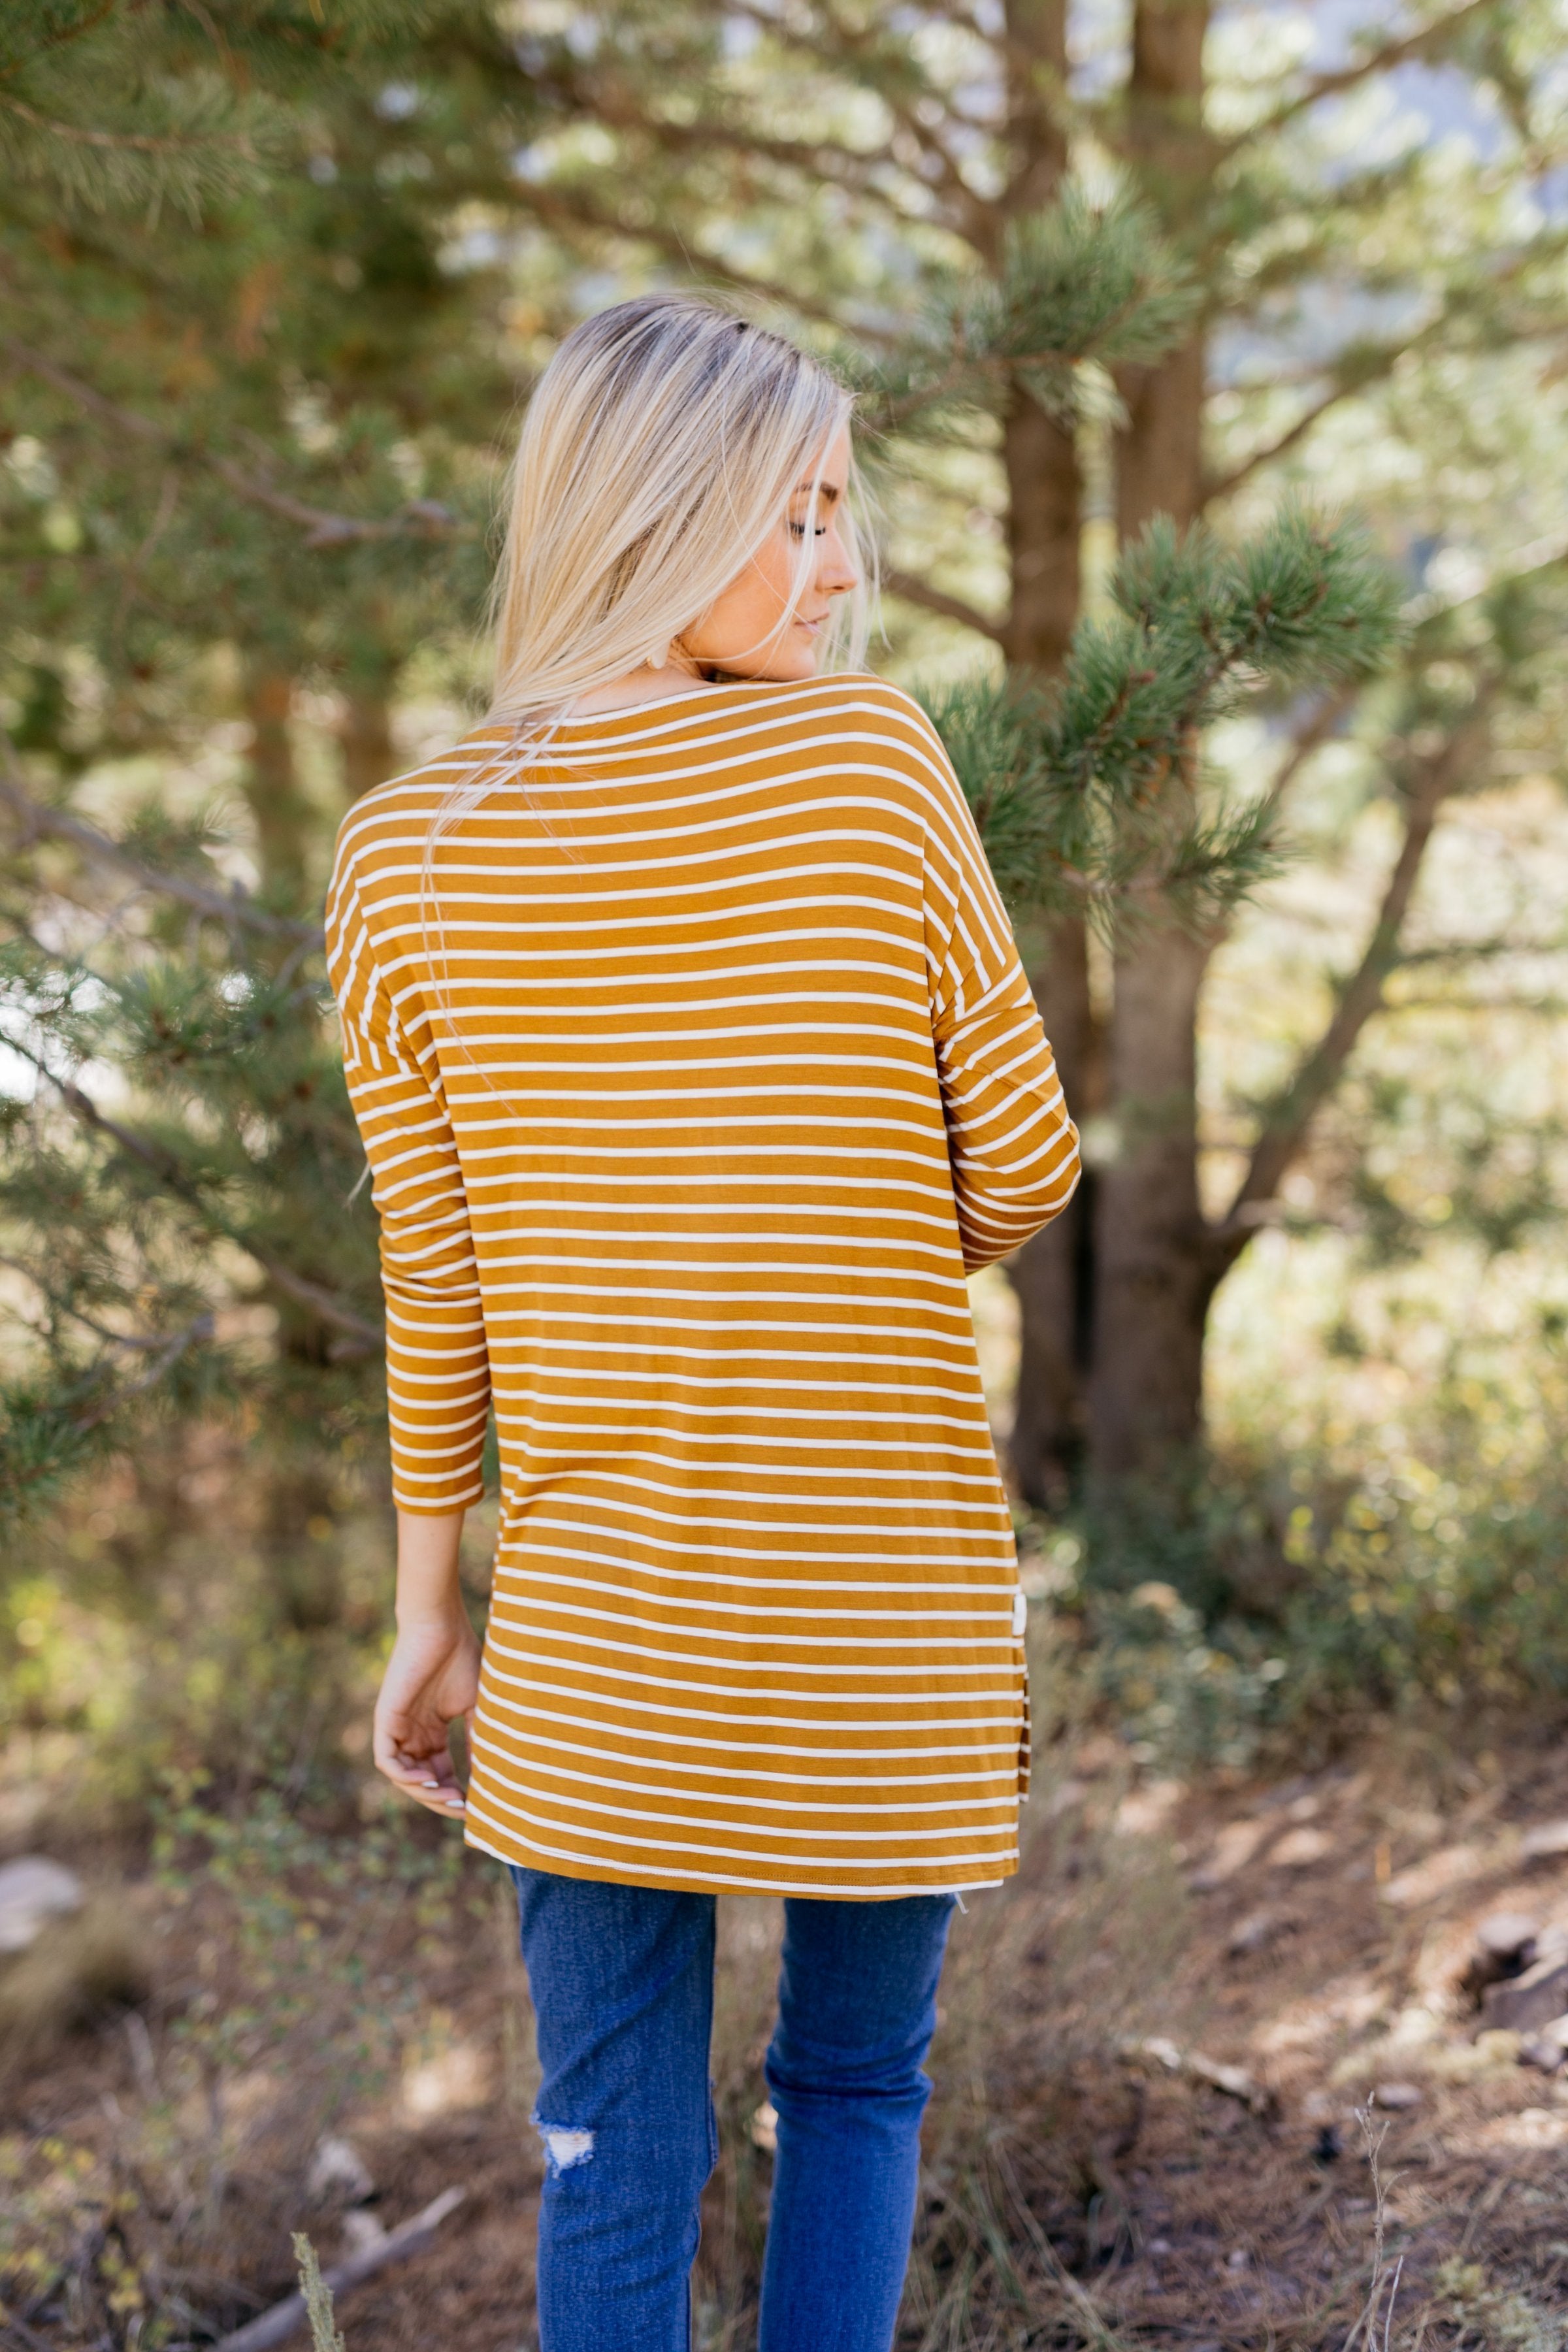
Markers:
<point>1212,2073</point>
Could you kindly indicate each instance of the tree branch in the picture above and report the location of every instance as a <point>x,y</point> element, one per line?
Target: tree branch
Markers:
<point>38,822</point>
<point>550,205</point>
<point>1220,486</point>
<point>143,143</point>
<point>422,519</point>
<point>1369,364</point>
<point>61,38</point>
<point>1307,739</point>
<point>1392,52</point>
<point>601,98</point>
<point>857,48</point>
<point>1360,995</point>
<point>937,600</point>
<point>161,1365</point>
<point>368,1335</point>
<point>140,1342</point>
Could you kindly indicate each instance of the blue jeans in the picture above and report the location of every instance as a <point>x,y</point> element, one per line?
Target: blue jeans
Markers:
<point>622,1979</point>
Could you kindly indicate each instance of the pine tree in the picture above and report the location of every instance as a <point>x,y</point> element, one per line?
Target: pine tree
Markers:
<point>257,455</point>
<point>256,400</point>
<point>916,176</point>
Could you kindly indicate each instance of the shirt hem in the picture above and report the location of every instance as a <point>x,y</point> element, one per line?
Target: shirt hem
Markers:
<point>699,1881</point>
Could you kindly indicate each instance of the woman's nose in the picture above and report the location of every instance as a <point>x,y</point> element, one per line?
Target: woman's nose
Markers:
<point>835,575</point>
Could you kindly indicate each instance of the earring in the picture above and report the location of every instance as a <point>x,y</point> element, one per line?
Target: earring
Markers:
<point>659,658</point>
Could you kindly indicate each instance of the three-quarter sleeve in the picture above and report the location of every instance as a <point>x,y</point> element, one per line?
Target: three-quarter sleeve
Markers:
<point>1012,1145</point>
<point>437,1367</point>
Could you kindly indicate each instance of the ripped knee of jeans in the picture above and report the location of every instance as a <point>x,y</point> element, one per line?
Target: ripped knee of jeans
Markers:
<point>566,2146</point>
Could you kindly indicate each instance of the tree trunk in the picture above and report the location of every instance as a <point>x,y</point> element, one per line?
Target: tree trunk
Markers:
<point>1045,525</point>
<point>1035,52</point>
<point>1158,450</point>
<point>1146,1387</point>
<point>278,805</point>
<point>364,734</point>
<point>1052,1274</point>
<point>1150,1255</point>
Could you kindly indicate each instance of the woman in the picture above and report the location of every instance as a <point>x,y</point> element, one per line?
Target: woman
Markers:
<point>695,1067</point>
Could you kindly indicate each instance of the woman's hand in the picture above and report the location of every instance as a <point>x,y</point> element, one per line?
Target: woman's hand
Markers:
<point>432,1677</point>
<point>433,1674</point>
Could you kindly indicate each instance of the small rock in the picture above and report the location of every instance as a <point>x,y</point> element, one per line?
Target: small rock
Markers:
<point>1546,1839</point>
<point>1233,1849</point>
<point>1145,1810</point>
<point>32,1892</point>
<point>1548,2049</point>
<point>1509,1938</point>
<point>361,2230</point>
<point>1237,2259</point>
<point>1159,2245</point>
<point>1529,2002</point>
<point>1256,1933</point>
<point>338,2175</point>
<point>1397,2097</point>
<point>1299,1849</point>
<point>764,2128</point>
<point>1505,1946</point>
<point>1450,1866</point>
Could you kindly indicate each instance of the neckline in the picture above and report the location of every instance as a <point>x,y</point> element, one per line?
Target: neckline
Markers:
<point>649,712</point>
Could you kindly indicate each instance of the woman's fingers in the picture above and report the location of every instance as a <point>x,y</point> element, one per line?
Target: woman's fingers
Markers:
<point>409,1758</point>
<point>428,1684</point>
<point>438,1792</point>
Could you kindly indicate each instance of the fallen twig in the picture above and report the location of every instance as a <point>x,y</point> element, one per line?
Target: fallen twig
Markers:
<point>410,2237</point>
<point>1234,2081</point>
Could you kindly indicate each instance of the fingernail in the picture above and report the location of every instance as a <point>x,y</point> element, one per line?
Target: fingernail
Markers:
<point>454,1804</point>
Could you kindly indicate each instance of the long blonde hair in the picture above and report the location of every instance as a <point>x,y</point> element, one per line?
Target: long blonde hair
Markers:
<point>661,446</point>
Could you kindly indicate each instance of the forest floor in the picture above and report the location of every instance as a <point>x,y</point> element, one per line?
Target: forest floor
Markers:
<point>1212,2073</point>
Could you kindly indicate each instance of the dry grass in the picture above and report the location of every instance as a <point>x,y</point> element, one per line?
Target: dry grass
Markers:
<point>156,2159</point>
<point>325,2334</point>
<point>79,1973</point>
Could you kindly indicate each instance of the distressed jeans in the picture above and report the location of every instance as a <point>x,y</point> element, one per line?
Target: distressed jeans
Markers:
<point>622,1979</point>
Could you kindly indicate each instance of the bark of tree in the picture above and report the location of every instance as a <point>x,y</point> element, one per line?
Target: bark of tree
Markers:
<point>365,737</point>
<point>1151,1291</point>
<point>1045,523</point>
<point>1053,1275</point>
<point>280,807</point>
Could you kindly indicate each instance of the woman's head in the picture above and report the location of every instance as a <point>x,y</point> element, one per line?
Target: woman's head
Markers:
<point>681,481</point>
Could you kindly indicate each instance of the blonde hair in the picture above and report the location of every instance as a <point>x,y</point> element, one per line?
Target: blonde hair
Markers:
<point>662,444</point>
<point>660,447</point>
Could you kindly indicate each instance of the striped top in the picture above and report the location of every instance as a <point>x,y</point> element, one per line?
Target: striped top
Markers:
<point>690,1093</point>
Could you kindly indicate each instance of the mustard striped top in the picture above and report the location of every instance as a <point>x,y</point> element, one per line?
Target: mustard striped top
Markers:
<point>688,1102</point>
